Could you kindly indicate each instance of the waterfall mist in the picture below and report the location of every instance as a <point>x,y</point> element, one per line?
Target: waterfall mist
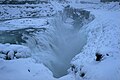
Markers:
<point>68,42</point>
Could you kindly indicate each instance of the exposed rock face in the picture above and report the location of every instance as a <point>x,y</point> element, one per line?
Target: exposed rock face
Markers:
<point>79,16</point>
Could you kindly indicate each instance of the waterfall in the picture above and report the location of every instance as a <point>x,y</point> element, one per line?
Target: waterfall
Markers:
<point>69,42</point>
<point>56,44</point>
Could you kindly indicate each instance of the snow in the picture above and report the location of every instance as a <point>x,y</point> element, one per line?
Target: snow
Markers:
<point>8,51</point>
<point>103,36</point>
<point>23,23</point>
<point>84,1</point>
<point>67,77</point>
<point>8,12</point>
<point>24,69</point>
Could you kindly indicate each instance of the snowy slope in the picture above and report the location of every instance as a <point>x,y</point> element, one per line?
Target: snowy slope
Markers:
<point>103,38</point>
<point>24,69</point>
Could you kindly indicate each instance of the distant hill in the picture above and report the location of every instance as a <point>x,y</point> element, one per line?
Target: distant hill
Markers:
<point>23,1</point>
<point>110,0</point>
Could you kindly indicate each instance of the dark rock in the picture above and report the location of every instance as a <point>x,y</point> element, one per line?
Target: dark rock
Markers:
<point>99,57</point>
<point>72,67</point>
<point>82,74</point>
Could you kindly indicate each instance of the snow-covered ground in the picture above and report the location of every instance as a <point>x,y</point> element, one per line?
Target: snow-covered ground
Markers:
<point>25,11</point>
<point>23,23</point>
<point>24,69</point>
<point>103,38</point>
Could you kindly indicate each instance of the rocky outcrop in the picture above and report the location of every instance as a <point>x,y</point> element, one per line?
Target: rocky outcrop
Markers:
<point>79,16</point>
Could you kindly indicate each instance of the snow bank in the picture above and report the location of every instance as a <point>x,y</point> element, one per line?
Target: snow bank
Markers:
<point>99,6</point>
<point>23,11</point>
<point>103,38</point>
<point>24,69</point>
<point>9,52</point>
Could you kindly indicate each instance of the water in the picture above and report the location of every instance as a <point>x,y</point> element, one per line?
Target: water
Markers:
<point>54,46</point>
<point>68,42</point>
<point>57,46</point>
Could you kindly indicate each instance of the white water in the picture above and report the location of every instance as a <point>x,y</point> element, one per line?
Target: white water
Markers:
<point>69,42</point>
<point>57,46</point>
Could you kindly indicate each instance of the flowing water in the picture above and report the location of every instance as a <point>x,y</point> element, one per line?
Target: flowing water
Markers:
<point>54,46</point>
